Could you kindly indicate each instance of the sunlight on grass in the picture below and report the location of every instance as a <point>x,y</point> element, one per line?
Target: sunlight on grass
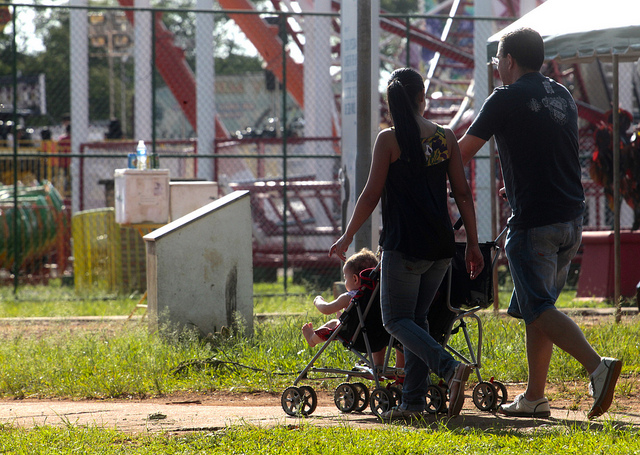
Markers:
<point>125,360</point>
<point>341,440</point>
<point>57,300</point>
<point>128,361</point>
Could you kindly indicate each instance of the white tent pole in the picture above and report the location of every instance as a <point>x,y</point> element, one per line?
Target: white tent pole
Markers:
<point>616,188</point>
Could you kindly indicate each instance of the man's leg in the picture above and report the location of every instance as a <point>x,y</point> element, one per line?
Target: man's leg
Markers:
<point>554,327</point>
<point>539,259</point>
<point>539,350</point>
<point>562,331</point>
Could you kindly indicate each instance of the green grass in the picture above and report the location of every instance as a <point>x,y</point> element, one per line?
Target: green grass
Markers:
<point>342,440</point>
<point>126,361</point>
<point>56,300</point>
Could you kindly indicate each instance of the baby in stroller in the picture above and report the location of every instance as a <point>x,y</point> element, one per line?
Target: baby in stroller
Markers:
<point>352,269</point>
<point>359,328</point>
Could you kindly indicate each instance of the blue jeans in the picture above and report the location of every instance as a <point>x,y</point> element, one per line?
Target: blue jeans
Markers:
<point>539,260</point>
<point>407,288</point>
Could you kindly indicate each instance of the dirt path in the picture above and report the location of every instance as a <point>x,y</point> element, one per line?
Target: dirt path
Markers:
<point>186,413</point>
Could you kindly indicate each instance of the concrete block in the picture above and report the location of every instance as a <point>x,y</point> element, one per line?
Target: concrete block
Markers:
<point>200,268</point>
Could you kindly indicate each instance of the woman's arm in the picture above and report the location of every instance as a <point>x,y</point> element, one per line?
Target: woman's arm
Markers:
<point>372,192</point>
<point>464,201</point>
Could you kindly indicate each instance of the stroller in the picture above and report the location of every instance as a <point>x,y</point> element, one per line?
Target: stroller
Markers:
<point>458,298</point>
<point>361,332</point>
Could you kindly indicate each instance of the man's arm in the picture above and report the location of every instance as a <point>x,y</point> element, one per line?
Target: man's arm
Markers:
<point>469,146</point>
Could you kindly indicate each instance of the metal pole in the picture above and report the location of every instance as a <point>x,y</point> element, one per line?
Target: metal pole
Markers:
<point>408,44</point>
<point>112,94</point>
<point>16,236</point>
<point>362,238</point>
<point>494,199</point>
<point>616,190</point>
<point>283,37</point>
<point>153,83</point>
<point>123,98</point>
<point>205,88</point>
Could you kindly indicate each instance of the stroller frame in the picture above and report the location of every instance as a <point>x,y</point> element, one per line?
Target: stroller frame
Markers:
<point>348,396</point>
<point>487,395</point>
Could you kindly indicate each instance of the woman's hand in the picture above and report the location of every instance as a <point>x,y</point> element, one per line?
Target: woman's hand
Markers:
<point>474,260</point>
<point>340,247</point>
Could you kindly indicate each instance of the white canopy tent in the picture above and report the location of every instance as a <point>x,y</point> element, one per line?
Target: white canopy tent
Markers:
<point>581,31</point>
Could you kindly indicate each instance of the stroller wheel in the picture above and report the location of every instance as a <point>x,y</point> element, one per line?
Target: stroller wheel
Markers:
<point>485,396</point>
<point>381,400</point>
<point>436,399</point>
<point>298,402</point>
<point>396,393</point>
<point>502,393</point>
<point>309,398</point>
<point>346,397</point>
<point>362,395</point>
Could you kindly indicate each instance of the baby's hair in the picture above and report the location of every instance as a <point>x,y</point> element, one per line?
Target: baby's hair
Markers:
<point>363,259</point>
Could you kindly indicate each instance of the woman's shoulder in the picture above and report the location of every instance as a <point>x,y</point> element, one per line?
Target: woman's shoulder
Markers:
<point>387,143</point>
<point>387,133</point>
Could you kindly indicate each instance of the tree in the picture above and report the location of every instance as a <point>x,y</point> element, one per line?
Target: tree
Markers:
<point>52,26</point>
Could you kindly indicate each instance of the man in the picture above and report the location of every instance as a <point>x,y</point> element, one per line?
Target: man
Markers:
<point>535,124</point>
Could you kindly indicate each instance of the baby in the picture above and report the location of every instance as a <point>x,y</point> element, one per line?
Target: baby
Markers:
<point>364,259</point>
<point>355,264</point>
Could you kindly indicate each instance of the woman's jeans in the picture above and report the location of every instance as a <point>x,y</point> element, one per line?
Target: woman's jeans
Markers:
<point>407,288</point>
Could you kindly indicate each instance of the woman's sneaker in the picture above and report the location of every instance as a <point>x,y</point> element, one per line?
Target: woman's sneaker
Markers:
<point>603,384</point>
<point>521,407</point>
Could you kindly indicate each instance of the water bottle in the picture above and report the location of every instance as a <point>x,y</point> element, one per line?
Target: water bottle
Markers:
<point>141,155</point>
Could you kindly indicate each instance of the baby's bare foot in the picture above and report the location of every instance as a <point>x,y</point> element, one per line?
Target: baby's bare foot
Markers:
<point>307,331</point>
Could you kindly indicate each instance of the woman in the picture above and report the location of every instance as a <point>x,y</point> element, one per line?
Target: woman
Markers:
<point>409,170</point>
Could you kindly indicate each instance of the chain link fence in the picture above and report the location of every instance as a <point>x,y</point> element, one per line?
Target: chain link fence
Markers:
<point>268,133</point>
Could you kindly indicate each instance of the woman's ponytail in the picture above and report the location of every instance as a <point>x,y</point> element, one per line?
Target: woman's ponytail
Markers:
<point>403,92</point>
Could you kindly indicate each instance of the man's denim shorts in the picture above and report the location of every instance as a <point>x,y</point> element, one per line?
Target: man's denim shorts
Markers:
<point>539,260</point>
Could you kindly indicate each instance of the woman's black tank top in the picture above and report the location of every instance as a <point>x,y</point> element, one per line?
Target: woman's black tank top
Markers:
<point>415,214</point>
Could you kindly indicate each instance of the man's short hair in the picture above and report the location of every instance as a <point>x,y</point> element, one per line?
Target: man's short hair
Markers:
<point>525,46</point>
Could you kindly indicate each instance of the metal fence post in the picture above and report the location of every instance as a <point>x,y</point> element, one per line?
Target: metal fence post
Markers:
<point>362,238</point>
<point>14,71</point>
<point>283,37</point>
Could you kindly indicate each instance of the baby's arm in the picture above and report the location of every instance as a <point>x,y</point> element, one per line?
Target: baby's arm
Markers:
<point>338,304</point>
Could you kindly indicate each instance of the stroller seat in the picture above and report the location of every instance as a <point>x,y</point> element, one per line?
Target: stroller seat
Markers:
<point>365,307</point>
